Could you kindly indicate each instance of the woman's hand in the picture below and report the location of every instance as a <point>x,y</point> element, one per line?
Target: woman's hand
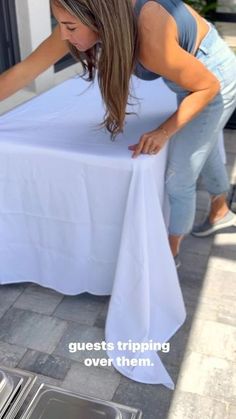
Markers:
<point>150,142</point>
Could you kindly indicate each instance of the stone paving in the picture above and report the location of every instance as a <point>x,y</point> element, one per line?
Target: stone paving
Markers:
<point>36,325</point>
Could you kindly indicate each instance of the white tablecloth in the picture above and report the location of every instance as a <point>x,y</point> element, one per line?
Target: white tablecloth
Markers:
<point>78,214</point>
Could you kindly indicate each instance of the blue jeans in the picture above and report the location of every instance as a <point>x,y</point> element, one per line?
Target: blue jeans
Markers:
<point>194,150</point>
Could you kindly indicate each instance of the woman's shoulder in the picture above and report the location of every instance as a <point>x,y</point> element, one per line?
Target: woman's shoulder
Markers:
<point>155,25</point>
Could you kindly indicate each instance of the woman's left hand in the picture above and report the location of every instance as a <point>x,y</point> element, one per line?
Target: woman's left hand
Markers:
<point>150,143</point>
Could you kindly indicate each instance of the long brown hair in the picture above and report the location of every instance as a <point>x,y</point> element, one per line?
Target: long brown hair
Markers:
<point>114,59</point>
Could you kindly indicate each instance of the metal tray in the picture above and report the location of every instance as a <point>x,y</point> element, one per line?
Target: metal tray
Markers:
<point>15,385</point>
<point>6,388</point>
<point>54,403</point>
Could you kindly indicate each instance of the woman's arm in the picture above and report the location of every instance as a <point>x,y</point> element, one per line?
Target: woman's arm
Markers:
<point>23,73</point>
<point>161,53</point>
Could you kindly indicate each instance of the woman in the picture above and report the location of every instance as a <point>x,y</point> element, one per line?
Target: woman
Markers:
<point>157,38</point>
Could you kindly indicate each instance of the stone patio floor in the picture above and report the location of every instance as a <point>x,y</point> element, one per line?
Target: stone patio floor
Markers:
<point>36,325</point>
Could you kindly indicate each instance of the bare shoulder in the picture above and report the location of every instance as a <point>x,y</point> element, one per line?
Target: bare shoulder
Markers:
<point>161,53</point>
<point>55,37</point>
<point>155,23</point>
<point>46,54</point>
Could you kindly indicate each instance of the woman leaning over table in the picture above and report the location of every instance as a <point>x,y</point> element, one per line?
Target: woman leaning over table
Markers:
<point>157,38</point>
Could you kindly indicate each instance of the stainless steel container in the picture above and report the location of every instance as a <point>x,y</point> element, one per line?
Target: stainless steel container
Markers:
<point>58,404</point>
<point>21,398</point>
<point>6,388</point>
<point>54,403</point>
<point>15,385</point>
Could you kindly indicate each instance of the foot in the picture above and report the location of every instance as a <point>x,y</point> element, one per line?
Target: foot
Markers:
<point>207,228</point>
<point>177,261</point>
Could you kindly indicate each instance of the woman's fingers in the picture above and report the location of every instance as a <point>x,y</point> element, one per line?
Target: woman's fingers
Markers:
<point>146,145</point>
<point>154,150</point>
<point>132,147</point>
<point>139,147</point>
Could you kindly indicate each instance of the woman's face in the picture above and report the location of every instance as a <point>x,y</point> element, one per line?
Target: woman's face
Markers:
<point>74,31</point>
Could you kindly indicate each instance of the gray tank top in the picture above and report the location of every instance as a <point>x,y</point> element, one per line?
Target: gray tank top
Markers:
<point>187,30</point>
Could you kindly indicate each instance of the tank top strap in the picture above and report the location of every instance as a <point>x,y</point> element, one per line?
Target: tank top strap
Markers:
<point>169,5</point>
<point>138,6</point>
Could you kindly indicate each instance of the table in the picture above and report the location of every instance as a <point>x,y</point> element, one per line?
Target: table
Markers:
<point>78,214</point>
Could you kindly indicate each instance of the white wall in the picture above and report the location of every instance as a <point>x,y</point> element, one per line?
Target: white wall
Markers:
<point>34,25</point>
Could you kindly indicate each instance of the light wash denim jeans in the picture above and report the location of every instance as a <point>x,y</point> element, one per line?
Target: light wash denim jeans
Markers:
<point>194,150</point>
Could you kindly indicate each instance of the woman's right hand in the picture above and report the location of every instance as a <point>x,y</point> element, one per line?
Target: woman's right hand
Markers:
<point>48,53</point>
